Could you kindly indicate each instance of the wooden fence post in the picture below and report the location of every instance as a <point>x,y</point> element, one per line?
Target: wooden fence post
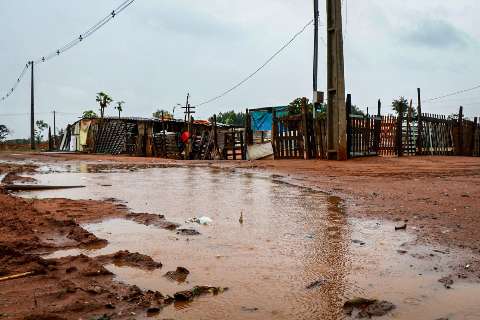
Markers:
<point>274,134</point>
<point>399,138</point>
<point>215,134</point>
<point>248,128</point>
<point>349,125</point>
<point>378,127</point>
<point>460,132</point>
<point>306,137</point>
<point>419,124</point>
<point>50,141</point>
<point>474,132</point>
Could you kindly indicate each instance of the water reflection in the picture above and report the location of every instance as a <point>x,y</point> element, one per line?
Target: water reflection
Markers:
<point>290,238</point>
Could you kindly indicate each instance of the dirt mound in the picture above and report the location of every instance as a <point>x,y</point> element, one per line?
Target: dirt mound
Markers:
<point>126,258</point>
<point>152,220</point>
<point>179,275</point>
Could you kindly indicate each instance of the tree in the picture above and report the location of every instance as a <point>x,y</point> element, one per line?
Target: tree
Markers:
<point>295,107</point>
<point>401,106</point>
<point>119,107</point>
<point>104,101</point>
<point>4,132</point>
<point>231,118</point>
<point>357,111</point>
<point>89,114</point>
<point>166,115</point>
<point>41,126</point>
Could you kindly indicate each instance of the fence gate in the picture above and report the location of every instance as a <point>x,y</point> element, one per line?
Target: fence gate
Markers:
<point>234,148</point>
<point>363,135</point>
<point>287,137</point>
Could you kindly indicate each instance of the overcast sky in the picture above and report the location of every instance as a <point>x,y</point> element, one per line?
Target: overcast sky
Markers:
<point>156,51</point>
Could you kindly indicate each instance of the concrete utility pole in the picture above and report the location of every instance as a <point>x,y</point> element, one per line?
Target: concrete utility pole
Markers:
<point>317,96</point>
<point>336,110</point>
<point>32,111</point>
<point>316,14</point>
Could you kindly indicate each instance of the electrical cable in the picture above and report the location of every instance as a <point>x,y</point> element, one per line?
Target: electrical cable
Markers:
<point>71,44</point>
<point>451,94</point>
<point>259,69</point>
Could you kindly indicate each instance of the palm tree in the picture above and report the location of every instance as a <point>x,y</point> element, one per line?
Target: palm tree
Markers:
<point>119,107</point>
<point>103,100</point>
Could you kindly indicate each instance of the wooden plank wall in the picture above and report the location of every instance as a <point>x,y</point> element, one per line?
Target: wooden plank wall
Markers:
<point>437,136</point>
<point>388,134</point>
<point>364,133</point>
<point>289,143</point>
<point>320,139</point>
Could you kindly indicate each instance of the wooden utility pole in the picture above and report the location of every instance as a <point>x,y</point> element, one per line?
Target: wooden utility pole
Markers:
<point>54,130</point>
<point>419,123</point>
<point>32,110</point>
<point>460,132</point>
<point>336,110</point>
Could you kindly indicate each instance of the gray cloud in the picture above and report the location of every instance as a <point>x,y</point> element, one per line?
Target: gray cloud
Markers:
<point>437,34</point>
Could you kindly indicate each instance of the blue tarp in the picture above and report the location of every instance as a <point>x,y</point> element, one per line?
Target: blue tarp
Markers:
<point>262,120</point>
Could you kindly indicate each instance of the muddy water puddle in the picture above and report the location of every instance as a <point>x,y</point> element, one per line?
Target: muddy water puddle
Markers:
<point>297,255</point>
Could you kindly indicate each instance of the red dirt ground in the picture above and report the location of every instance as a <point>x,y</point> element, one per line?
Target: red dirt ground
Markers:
<point>439,196</point>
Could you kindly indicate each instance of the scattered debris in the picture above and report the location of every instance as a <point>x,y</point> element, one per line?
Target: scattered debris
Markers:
<point>34,187</point>
<point>179,275</point>
<point>17,276</point>
<point>153,310</point>
<point>152,220</point>
<point>402,227</point>
<point>188,295</point>
<point>360,242</point>
<point>447,282</point>
<point>241,218</point>
<point>188,232</point>
<point>367,308</point>
<point>316,284</point>
<point>249,309</point>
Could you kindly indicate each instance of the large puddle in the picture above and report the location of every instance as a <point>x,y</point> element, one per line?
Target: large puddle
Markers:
<point>290,238</point>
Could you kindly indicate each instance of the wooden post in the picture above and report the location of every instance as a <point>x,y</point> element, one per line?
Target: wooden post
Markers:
<point>399,138</point>
<point>215,134</point>
<point>409,127</point>
<point>475,128</point>
<point>419,124</point>
<point>336,117</point>
<point>50,142</point>
<point>55,142</point>
<point>243,146</point>
<point>349,125</point>
<point>306,137</point>
<point>32,109</point>
<point>248,128</point>
<point>274,134</point>
<point>460,132</point>
<point>378,128</point>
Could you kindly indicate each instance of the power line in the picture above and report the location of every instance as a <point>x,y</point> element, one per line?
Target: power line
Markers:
<point>72,43</point>
<point>452,94</point>
<point>16,82</point>
<point>259,69</point>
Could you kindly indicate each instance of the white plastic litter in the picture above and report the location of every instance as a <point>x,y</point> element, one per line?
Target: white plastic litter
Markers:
<point>204,220</point>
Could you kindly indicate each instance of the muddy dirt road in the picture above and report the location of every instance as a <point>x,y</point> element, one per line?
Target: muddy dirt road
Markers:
<point>313,235</point>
